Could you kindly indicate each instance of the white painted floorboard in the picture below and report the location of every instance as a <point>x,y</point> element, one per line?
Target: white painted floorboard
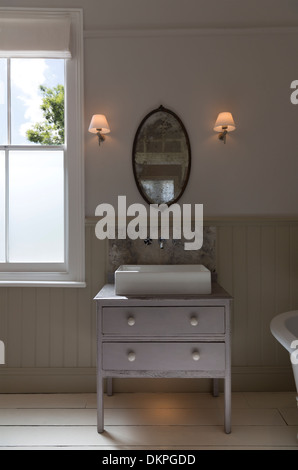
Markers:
<point>140,417</point>
<point>148,421</point>
<point>166,436</point>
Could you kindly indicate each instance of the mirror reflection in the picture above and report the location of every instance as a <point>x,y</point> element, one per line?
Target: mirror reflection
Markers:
<point>161,157</point>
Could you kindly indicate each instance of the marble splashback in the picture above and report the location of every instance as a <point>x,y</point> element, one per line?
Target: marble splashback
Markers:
<point>136,252</point>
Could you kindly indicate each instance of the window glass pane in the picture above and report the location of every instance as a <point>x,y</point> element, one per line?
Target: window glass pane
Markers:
<point>37,83</point>
<point>36,206</point>
<point>2,206</point>
<point>3,101</point>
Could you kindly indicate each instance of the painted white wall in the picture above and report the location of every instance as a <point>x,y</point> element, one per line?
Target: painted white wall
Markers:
<point>144,13</point>
<point>255,172</point>
<point>197,77</point>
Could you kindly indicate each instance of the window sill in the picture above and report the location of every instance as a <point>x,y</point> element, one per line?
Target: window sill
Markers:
<point>42,284</point>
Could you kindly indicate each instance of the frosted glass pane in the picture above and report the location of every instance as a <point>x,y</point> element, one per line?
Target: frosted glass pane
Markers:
<point>3,101</point>
<point>27,75</point>
<point>36,206</point>
<point>2,207</point>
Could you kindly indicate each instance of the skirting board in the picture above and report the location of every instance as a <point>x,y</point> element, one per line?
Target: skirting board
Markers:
<point>83,380</point>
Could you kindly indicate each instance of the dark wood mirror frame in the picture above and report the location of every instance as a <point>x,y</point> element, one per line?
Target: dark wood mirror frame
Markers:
<point>160,169</point>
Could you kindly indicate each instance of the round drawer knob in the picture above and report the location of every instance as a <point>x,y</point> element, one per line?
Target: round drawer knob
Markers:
<point>194,321</point>
<point>131,356</point>
<point>131,321</point>
<point>196,355</point>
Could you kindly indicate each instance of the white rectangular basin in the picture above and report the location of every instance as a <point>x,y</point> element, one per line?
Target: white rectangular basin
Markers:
<point>162,279</point>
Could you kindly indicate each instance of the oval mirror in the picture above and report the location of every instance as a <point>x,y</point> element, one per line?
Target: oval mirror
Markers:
<point>161,157</point>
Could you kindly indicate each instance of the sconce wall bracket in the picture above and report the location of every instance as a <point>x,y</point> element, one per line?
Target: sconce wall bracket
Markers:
<point>101,137</point>
<point>223,135</point>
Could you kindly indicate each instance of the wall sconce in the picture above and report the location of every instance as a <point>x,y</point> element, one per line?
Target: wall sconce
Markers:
<point>99,125</point>
<point>224,124</point>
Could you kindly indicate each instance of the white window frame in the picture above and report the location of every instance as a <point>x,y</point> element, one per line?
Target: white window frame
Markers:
<point>72,272</point>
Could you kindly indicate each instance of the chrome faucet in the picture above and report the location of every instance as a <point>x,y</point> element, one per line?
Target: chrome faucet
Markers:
<point>161,243</point>
<point>148,241</point>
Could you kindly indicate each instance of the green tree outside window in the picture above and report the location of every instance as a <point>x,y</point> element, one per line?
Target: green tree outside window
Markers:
<point>51,130</point>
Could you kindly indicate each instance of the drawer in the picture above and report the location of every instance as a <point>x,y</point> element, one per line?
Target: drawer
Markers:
<point>164,356</point>
<point>163,321</point>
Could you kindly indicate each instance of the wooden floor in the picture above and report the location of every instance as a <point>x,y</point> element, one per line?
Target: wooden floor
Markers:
<point>148,421</point>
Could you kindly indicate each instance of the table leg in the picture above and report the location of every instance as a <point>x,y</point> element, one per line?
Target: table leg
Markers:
<point>215,387</point>
<point>228,407</point>
<point>100,413</point>
<point>109,386</point>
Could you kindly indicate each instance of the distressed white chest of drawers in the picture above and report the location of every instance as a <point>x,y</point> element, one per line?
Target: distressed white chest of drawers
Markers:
<point>164,336</point>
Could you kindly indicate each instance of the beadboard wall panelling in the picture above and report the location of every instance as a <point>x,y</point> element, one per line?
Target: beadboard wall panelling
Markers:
<point>50,333</point>
<point>258,264</point>
<point>51,327</point>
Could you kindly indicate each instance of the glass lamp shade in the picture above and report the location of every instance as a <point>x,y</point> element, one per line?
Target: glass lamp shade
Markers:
<point>224,121</point>
<point>99,123</point>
